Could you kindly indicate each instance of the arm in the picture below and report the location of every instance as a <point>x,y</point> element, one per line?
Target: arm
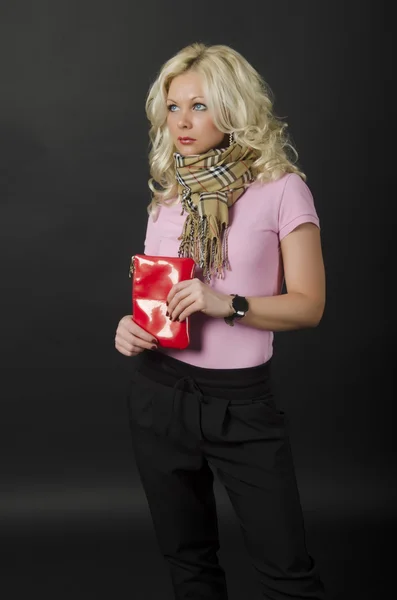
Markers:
<point>303,304</point>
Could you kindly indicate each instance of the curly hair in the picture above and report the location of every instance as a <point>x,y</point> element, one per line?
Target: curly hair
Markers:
<point>240,102</point>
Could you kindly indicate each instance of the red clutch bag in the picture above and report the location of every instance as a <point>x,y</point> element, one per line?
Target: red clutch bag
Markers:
<point>152,279</point>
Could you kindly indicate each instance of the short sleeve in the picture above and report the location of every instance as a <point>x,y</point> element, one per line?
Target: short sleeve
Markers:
<point>296,206</point>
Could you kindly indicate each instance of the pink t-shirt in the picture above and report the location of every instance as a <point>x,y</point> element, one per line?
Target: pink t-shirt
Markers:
<point>260,218</point>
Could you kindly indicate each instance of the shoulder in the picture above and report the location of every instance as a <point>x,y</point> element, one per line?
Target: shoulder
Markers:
<point>293,183</point>
<point>288,181</point>
<point>290,188</point>
<point>267,195</point>
<point>283,203</point>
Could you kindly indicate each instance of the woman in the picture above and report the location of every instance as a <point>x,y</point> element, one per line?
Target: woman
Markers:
<point>226,193</point>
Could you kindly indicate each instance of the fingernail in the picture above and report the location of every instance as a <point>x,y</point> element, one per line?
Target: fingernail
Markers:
<point>154,347</point>
<point>167,314</point>
<point>166,303</point>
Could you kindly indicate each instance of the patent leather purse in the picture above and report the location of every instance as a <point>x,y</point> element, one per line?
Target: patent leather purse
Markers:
<point>152,280</point>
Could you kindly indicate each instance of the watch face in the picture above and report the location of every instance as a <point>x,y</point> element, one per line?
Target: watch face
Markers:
<point>240,304</point>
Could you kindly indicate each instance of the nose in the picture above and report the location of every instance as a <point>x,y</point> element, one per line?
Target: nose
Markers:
<point>184,121</point>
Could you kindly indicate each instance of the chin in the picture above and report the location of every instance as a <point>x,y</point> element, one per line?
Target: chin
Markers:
<point>194,149</point>
<point>189,151</point>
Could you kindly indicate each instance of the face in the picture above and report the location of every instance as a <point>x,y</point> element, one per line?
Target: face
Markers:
<point>189,117</point>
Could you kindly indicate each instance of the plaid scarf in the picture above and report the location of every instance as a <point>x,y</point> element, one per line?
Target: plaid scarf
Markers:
<point>208,185</point>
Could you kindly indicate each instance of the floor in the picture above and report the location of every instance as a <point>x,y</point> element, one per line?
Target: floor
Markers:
<point>79,562</point>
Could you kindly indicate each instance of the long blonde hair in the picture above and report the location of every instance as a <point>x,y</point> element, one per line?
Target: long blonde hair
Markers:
<point>241,102</point>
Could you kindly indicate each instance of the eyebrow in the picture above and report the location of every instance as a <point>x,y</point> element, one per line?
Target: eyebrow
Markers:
<point>190,98</point>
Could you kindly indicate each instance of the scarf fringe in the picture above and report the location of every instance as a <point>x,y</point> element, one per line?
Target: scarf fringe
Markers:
<point>205,240</point>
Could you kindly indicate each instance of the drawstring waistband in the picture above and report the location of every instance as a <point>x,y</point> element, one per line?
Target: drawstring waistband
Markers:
<point>197,400</point>
<point>183,404</point>
<point>193,388</point>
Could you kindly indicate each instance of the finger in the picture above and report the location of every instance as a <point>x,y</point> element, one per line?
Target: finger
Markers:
<point>124,352</point>
<point>188,302</point>
<point>181,296</point>
<point>137,331</point>
<point>125,348</point>
<point>128,339</point>
<point>136,345</point>
<point>145,345</point>
<point>181,300</point>
<point>141,343</point>
<point>189,310</point>
<point>177,287</point>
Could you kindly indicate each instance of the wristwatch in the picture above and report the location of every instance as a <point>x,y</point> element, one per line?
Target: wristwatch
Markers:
<point>241,306</point>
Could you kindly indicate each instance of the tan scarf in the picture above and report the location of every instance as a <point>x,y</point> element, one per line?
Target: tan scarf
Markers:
<point>208,185</point>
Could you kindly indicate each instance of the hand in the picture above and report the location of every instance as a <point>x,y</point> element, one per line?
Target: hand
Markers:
<point>188,297</point>
<point>131,339</point>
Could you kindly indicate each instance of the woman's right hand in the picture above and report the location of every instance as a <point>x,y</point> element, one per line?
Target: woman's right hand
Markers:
<point>131,339</point>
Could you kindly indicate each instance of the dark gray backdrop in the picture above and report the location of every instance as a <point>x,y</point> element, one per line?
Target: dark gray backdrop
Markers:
<point>73,148</point>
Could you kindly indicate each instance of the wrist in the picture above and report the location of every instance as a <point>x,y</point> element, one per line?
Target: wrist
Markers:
<point>229,310</point>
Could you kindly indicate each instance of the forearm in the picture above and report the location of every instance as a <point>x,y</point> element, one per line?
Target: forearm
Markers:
<point>282,313</point>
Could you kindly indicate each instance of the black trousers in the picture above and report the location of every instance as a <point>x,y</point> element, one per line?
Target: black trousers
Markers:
<point>185,419</point>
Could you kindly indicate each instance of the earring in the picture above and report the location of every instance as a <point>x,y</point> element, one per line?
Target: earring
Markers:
<point>231,138</point>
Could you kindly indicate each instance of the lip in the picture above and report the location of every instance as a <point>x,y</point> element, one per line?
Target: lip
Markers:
<point>186,139</point>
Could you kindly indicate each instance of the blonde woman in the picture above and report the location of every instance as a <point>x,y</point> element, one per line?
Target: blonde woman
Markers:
<point>227,191</point>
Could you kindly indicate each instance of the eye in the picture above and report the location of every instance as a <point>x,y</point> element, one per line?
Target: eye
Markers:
<point>170,106</point>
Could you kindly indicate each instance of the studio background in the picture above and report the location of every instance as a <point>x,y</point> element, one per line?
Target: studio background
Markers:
<point>73,192</point>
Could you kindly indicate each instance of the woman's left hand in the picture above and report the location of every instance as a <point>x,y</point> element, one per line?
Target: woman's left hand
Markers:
<point>188,297</point>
